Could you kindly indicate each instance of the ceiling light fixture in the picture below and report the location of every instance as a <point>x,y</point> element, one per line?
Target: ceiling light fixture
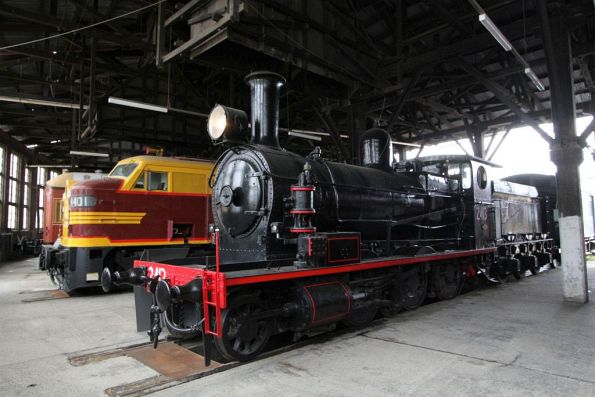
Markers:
<point>531,74</point>
<point>90,154</point>
<point>494,31</point>
<point>43,102</point>
<point>136,104</point>
<point>305,136</point>
<point>491,27</point>
<point>311,132</point>
<point>405,143</point>
<point>49,166</point>
<point>149,106</point>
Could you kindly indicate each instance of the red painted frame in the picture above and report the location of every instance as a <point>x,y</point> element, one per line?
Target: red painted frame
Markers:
<point>216,282</point>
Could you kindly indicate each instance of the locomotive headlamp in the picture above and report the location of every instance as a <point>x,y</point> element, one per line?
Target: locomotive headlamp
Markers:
<point>227,123</point>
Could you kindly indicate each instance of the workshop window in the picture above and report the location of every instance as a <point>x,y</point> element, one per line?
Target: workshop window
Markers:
<point>41,179</point>
<point>26,200</point>
<point>13,191</point>
<point>2,173</point>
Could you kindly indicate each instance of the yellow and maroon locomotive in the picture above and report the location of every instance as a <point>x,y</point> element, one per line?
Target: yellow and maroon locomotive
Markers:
<point>143,202</point>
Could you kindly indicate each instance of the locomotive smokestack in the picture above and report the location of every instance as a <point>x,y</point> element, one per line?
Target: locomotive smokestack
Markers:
<point>264,94</point>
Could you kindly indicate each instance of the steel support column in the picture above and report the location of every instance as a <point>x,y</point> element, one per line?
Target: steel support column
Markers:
<point>566,151</point>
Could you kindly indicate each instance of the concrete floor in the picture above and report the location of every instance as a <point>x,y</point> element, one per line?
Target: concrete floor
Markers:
<point>516,339</point>
<point>36,337</point>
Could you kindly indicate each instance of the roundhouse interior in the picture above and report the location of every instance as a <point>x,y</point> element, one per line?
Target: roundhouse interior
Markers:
<point>85,84</point>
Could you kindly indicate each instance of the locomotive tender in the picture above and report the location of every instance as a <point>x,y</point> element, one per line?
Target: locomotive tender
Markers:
<point>302,242</point>
<point>109,222</point>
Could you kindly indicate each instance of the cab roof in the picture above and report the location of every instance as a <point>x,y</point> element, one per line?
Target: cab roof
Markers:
<point>168,161</point>
<point>456,158</point>
<point>60,180</point>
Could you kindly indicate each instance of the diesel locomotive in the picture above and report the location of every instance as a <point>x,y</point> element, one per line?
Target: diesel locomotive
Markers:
<point>52,204</point>
<point>302,243</point>
<point>109,222</point>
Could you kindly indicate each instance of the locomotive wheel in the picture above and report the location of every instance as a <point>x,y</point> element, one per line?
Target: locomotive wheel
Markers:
<point>517,274</point>
<point>534,268</point>
<point>415,287</point>
<point>361,316</point>
<point>244,336</point>
<point>447,280</point>
<point>57,276</point>
<point>554,263</point>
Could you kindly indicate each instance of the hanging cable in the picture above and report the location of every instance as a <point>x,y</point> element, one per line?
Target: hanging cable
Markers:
<point>82,27</point>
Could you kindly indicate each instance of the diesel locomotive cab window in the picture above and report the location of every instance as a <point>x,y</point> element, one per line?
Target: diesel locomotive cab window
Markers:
<point>123,170</point>
<point>140,182</point>
<point>482,177</point>
<point>157,181</point>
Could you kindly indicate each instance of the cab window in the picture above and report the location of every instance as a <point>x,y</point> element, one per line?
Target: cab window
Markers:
<point>466,175</point>
<point>157,181</point>
<point>140,182</point>
<point>123,170</point>
<point>482,177</point>
<point>461,170</point>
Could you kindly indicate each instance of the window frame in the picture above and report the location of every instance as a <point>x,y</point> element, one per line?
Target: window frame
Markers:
<point>3,167</point>
<point>14,192</point>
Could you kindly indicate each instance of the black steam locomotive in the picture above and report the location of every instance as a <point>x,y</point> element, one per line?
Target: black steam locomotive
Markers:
<point>303,243</point>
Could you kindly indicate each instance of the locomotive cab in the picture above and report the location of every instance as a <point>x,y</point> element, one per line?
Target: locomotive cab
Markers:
<point>469,176</point>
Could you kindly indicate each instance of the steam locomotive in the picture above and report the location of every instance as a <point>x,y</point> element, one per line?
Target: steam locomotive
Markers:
<point>109,222</point>
<point>303,243</point>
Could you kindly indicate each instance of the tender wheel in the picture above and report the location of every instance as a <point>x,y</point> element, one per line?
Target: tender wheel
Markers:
<point>244,336</point>
<point>554,263</point>
<point>518,271</point>
<point>497,272</point>
<point>534,268</point>
<point>447,280</point>
<point>415,287</point>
